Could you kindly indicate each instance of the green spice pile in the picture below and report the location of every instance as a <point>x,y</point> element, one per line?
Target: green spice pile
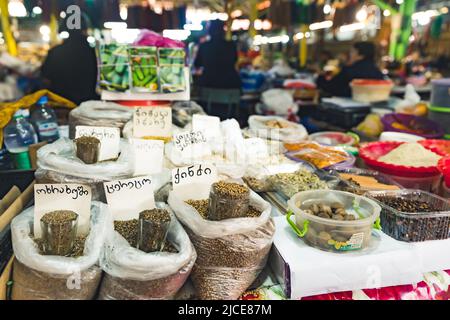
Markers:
<point>153,227</point>
<point>129,230</point>
<point>88,149</point>
<point>291,183</point>
<point>228,200</point>
<point>59,230</point>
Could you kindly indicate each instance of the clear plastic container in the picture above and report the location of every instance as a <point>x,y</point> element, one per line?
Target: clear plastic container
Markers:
<point>333,235</point>
<point>228,200</point>
<point>445,191</point>
<point>418,226</point>
<point>45,121</point>
<point>59,236</point>
<point>153,229</point>
<point>371,92</point>
<point>430,184</point>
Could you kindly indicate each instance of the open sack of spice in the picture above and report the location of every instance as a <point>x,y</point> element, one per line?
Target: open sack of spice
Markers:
<point>58,163</point>
<point>99,114</point>
<point>232,233</point>
<point>277,128</point>
<point>39,273</point>
<point>148,259</point>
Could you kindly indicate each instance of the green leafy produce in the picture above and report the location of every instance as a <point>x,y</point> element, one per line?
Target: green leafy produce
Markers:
<point>171,56</point>
<point>172,79</point>
<point>114,68</point>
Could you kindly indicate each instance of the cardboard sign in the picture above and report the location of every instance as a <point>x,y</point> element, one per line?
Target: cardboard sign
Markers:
<point>109,140</point>
<point>127,198</point>
<point>152,122</point>
<point>210,126</point>
<point>194,181</point>
<point>192,144</point>
<point>148,156</point>
<point>57,197</point>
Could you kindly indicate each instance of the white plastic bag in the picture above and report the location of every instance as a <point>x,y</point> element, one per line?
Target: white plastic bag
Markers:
<point>279,101</point>
<point>40,277</point>
<point>99,114</point>
<point>135,275</point>
<point>57,163</point>
<point>294,133</point>
<point>231,253</point>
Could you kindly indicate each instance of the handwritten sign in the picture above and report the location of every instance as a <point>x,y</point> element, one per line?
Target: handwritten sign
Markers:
<point>152,122</point>
<point>127,198</point>
<point>148,156</point>
<point>210,126</point>
<point>109,140</point>
<point>199,178</point>
<point>192,144</point>
<point>57,197</point>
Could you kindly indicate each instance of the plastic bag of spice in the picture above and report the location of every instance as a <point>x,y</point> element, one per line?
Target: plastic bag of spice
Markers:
<point>57,163</point>
<point>132,274</point>
<point>99,114</point>
<point>231,253</point>
<point>44,277</point>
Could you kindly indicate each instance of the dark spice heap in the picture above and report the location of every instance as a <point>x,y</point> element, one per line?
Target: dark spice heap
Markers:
<point>88,149</point>
<point>153,227</point>
<point>129,230</point>
<point>201,206</point>
<point>228,200</point>
<point>59,229</point>
<point>409,226</point>
<point>77,250</point>
<point>407,205</point>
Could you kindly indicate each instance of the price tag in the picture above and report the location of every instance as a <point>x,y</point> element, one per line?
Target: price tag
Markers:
<point>127,198</point>
<point>210,126</point>
<point>109,140</point>
<point>152,122</point>
<point>199,178</point>
<point>148,156</point>
<point>192,144</point>
<point>57,197</point>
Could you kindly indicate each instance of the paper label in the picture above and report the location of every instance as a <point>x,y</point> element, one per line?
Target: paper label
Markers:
<point>210,126</point>
<point>199,178</point>
<point>127,198</point>
<point>192,144</point>
<point>354,243</point>
<point>152,122</point>
<point>109,140</point>
<point>148,156</point>
<point>57,197</point>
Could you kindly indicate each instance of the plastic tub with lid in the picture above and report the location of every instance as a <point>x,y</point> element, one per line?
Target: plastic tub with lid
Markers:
<point>440,115</point>
<point>440,93</point>
<point>369,90</point>
<point>333,235</point>
<point>414,226</point>
<point>379,180</point>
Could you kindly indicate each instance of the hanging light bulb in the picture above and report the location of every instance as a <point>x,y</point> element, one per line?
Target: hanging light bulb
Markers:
<point>327,9</point>
<point>124,12</point>
<point>386,13</point>
<point>16,9</point>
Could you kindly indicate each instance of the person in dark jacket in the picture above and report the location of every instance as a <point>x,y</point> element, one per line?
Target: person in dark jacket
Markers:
<point>361,66</point>
<point>70,69</point>
<point>218,58</point>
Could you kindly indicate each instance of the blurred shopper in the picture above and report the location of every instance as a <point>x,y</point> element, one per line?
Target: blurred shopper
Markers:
<point>361,66</point>
<point>218,58</point>
<point>70,69</point>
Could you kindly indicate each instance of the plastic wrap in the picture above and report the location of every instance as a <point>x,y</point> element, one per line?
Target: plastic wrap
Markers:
<point>293,132</point>
<point>231,253</point>
<point>57,163</point>
<point>183,111</point>
<point>99,114</point>
<point>39,277</point>
<point>135,275</point>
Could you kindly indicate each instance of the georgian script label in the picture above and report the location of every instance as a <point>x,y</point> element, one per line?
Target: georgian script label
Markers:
<point>109,140</point>
<point>210,126</point>
<point>192,144</point>
<point>127,198</point>
<point>57,197</point>
<point>199,178</point>
<point>152,122</point>
<point>148,156</point>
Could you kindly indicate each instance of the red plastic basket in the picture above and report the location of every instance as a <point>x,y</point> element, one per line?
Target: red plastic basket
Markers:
<point>437,146</point>
<point>371,152</point>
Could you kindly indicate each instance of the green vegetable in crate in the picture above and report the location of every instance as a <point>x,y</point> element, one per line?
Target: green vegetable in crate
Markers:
<point>145,79</point>
<point>171,56</point>
<point>114,68</point>
<point>172,79</point>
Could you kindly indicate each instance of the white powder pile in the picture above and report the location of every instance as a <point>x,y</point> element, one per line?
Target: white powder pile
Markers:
<point>412,155</point>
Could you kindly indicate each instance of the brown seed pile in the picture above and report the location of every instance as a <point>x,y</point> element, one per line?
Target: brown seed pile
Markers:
<point>228,200</point>
<point>201,206</point>
<point>30,284</point>
<point>258,185</point>
<point>227,266</point>
<point>129,230</point>
<point>88,149</point>
<point>153,227</point>
<point>77,250</point>
<point>59,230</point>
